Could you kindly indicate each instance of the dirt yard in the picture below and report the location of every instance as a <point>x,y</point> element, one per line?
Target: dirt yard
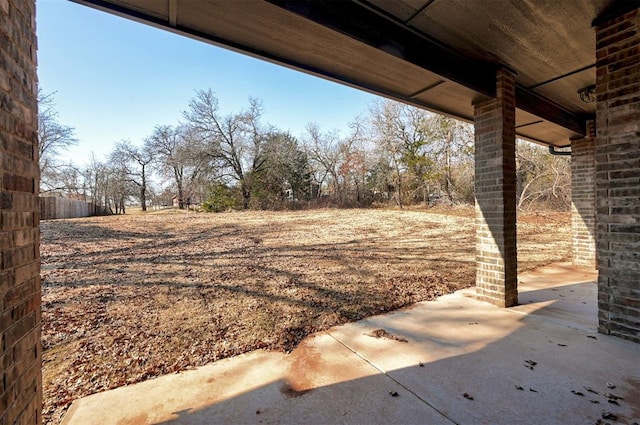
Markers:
<point>128,298</point>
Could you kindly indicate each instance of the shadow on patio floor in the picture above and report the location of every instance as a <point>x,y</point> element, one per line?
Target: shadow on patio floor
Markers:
<point>464,361</point>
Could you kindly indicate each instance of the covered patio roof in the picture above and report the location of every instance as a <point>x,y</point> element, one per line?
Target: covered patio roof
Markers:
<point>435,54</point>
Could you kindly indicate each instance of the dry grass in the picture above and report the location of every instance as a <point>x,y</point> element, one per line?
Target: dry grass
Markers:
<point>127,298</point>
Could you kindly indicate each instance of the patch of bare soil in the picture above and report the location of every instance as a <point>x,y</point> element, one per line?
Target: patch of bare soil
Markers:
<point>128,298</point>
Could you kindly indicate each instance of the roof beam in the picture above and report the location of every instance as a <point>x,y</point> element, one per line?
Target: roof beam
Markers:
<point>380,31</point>
<point>367,26</point>
<point>530,101</point>
<point>393,37</point>
<point>173,12</point>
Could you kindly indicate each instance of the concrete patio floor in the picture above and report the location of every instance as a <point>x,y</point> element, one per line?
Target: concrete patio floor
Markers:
<point>455,360</point>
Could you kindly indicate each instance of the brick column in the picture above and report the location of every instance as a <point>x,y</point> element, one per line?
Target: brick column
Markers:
<point>583,199</point>
<point>20,350</point>
<point>495,189</point>
<point>618,174</point>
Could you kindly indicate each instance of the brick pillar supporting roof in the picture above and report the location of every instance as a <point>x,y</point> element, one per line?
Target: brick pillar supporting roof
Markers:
<point>583,199</point>
<point>617,153</point>
<point>495,188</point>
<point>20,349</point>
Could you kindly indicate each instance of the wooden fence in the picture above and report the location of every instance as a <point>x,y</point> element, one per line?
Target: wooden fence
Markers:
<point>52,207</point>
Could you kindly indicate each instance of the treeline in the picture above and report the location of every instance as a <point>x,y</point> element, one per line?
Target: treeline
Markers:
<point>393,155</point>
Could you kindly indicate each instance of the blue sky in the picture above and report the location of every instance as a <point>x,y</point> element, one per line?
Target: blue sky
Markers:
<point>116,79</point>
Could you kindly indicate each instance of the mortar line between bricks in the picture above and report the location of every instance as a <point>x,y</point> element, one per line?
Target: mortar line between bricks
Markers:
<point>379,369</point>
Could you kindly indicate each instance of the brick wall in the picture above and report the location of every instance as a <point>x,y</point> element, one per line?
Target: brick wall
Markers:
<point>617,151</point>
<point>583,199</point>
<point>20,351</point>
<point>495,190</point>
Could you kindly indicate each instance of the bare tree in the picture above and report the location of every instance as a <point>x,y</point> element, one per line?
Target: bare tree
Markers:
<point>179,155</point>
<point>93,176</point>
<point>400,132</point>
<point>353,175</point>
<point>542,178</point>
<point>53,138</point>
<point>234,141</point>
<point>324,154</point>
<point>452,149</point>
<point>69,182</point>
<point>107,186</point>
<point>334,159</point>
<point>134,162</point>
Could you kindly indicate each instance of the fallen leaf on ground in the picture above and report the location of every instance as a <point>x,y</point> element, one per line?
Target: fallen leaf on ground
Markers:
<point>129,298</point>
<point>381,333</point>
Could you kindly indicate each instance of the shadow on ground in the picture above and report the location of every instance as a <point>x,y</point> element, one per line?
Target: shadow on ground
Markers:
<point>463,362</point>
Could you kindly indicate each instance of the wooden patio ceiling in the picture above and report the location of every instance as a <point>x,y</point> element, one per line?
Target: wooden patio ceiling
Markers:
<point>437,54</point>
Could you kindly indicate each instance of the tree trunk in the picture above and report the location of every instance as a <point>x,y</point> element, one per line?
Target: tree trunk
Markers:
<point>178,177</point>
<point>180,196</point>
<point>143,190</point>
<point>399,188</point>
<point>448,177</point>
<point>246,196</point>
<point>143,199</point>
